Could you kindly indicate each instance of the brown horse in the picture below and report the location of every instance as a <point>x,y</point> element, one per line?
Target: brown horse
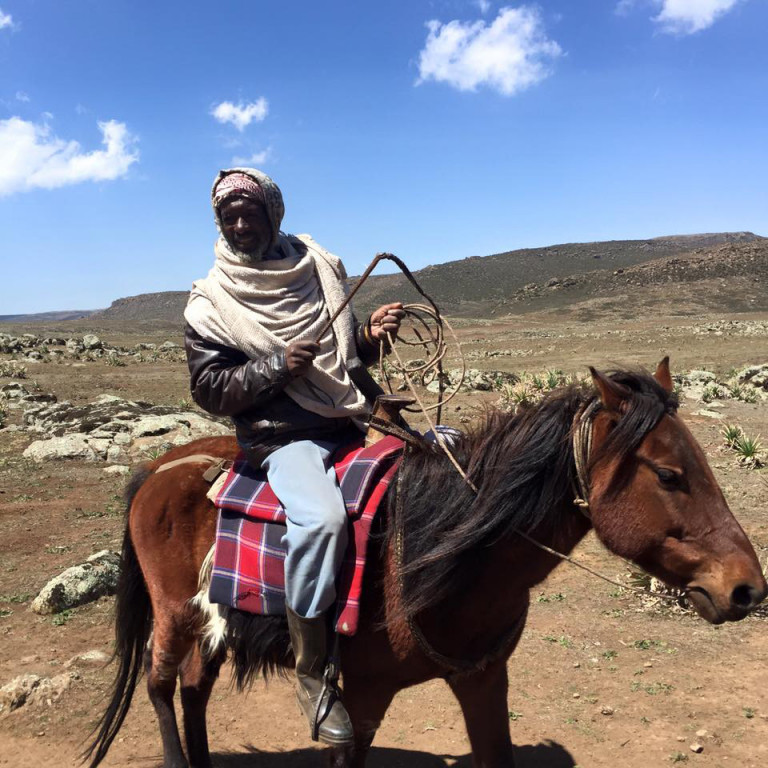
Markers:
<point>447,586</point>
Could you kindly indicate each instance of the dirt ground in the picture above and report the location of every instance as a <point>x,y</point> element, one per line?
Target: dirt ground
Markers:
<point>598,680</point>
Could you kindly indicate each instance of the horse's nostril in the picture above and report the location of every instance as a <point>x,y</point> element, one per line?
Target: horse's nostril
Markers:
<point>745,596</point>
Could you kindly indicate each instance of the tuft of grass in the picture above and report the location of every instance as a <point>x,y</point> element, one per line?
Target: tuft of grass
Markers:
<point>749,450</point>
<point>712,392</point>
<point>678,757</point>
<point>556,597</point>
<point>115,362</point>
<point>731,433</point>
<point>60,619</point>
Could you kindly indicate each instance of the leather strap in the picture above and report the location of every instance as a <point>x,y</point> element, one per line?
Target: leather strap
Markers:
<point>218,465</point>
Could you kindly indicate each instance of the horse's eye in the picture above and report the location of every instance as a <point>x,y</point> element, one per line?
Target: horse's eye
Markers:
<point>668,477</point>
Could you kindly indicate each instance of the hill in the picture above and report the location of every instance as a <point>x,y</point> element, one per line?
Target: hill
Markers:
<point>706,271</point>
<point>48,317</point>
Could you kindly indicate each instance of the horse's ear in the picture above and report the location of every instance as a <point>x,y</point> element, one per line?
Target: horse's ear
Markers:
<point>611,393</point>
<point>663,376</point>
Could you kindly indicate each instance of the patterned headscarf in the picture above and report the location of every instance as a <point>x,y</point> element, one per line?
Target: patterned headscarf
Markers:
<point>251,183</point>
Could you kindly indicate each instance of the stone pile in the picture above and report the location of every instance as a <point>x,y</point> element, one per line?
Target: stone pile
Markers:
<point>108,429</point>
<point>31,348</point>
<point>474,380</point>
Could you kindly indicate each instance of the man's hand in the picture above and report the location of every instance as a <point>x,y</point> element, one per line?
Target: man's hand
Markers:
<point>386,320</point>
<point>299,357</point>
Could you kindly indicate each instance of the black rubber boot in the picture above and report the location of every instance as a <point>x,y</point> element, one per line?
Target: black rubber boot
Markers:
<point>316,675</point>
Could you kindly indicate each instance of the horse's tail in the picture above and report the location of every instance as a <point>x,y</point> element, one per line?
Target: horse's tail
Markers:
<point>133,626</point>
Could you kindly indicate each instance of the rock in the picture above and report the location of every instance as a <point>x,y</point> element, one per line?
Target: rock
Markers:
<point>100,446</point>
<point>608,711</point>
<point>701,377</point>
<point>708,414</point>
<point>32,689</point>
<point>93,658</point>
<point>13,391</point>
<point>67,447</point>
<point>701,734</point>
<point>80,584</point>
<point>117,469</point>
<point>168,345</point>
<point>697,748</point>
<point>16,693</point>
<point>92,341</point>
<point>157,425</point>
<point>756,375</point>
<point>114,453</point>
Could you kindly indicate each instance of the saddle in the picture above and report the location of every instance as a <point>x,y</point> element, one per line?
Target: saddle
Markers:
<point>248,562</point>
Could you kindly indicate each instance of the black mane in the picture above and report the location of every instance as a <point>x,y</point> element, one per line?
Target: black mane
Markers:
<point>523,467</point>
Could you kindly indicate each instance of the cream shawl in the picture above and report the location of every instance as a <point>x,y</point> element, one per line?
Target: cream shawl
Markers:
<point>260,308</point>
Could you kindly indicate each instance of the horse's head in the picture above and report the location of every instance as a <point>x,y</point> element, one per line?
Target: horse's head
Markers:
<point>655,501</point>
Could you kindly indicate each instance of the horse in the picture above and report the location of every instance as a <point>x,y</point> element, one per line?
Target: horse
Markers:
<point>447,583</point>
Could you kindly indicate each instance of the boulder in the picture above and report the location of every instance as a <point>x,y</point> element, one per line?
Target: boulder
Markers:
<point>756,375</point>
<point>65,447</point>
<point>32,689</point>
<point>80,584</point>
<point>92,341</point>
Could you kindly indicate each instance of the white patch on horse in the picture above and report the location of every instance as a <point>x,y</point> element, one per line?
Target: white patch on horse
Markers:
<point>213,617</point>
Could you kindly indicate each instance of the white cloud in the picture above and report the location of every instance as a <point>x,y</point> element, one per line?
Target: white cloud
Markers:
<point>241,115</point>
<point>509,54</point>
<point>483,5</point>
<point>684,17</point>
<point>6,20</point>
<point>21,96</point>
<point>255,160</point>
<point>31,157</point>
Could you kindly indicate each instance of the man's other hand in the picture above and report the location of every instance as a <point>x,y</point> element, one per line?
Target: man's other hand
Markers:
<point>299,357</point>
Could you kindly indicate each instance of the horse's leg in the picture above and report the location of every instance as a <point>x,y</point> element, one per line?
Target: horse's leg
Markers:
<point>366,699</point>
<point>162,661</point>
<point>483,699</point>
<point>197,679</point>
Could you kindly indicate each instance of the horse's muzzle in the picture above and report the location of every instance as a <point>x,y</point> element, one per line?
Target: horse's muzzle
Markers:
<point>741,601</point>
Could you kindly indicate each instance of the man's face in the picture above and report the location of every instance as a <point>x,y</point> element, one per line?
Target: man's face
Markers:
<point>245,225</point>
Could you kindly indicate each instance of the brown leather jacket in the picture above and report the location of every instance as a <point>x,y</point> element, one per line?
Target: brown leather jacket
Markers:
<point>226,382</point>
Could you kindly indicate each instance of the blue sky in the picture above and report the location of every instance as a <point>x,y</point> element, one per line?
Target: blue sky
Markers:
<point>435,129</point>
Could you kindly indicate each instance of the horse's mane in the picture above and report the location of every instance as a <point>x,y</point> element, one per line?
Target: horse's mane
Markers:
<point>523,467</point>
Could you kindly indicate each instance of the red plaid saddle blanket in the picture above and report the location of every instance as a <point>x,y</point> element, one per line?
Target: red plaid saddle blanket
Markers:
<point>248,561</point>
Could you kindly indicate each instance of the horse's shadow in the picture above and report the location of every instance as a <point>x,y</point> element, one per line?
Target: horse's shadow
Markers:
<point>548,754</point>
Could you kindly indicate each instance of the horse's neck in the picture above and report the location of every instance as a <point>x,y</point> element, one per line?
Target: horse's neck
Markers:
<point>510,569</point>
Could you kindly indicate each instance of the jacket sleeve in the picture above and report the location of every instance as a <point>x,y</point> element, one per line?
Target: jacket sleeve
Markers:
<point>225,382</point>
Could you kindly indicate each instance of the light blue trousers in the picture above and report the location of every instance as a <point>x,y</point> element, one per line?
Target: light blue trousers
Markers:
<point>316,535</point>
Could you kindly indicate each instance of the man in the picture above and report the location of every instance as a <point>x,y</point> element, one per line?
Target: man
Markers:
<point>254,355</point>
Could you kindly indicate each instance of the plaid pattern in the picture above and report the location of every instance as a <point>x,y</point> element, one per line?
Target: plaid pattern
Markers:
<point>248,562</point>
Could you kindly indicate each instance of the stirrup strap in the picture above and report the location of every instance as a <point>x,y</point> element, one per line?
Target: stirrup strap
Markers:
<point>330,689</point>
